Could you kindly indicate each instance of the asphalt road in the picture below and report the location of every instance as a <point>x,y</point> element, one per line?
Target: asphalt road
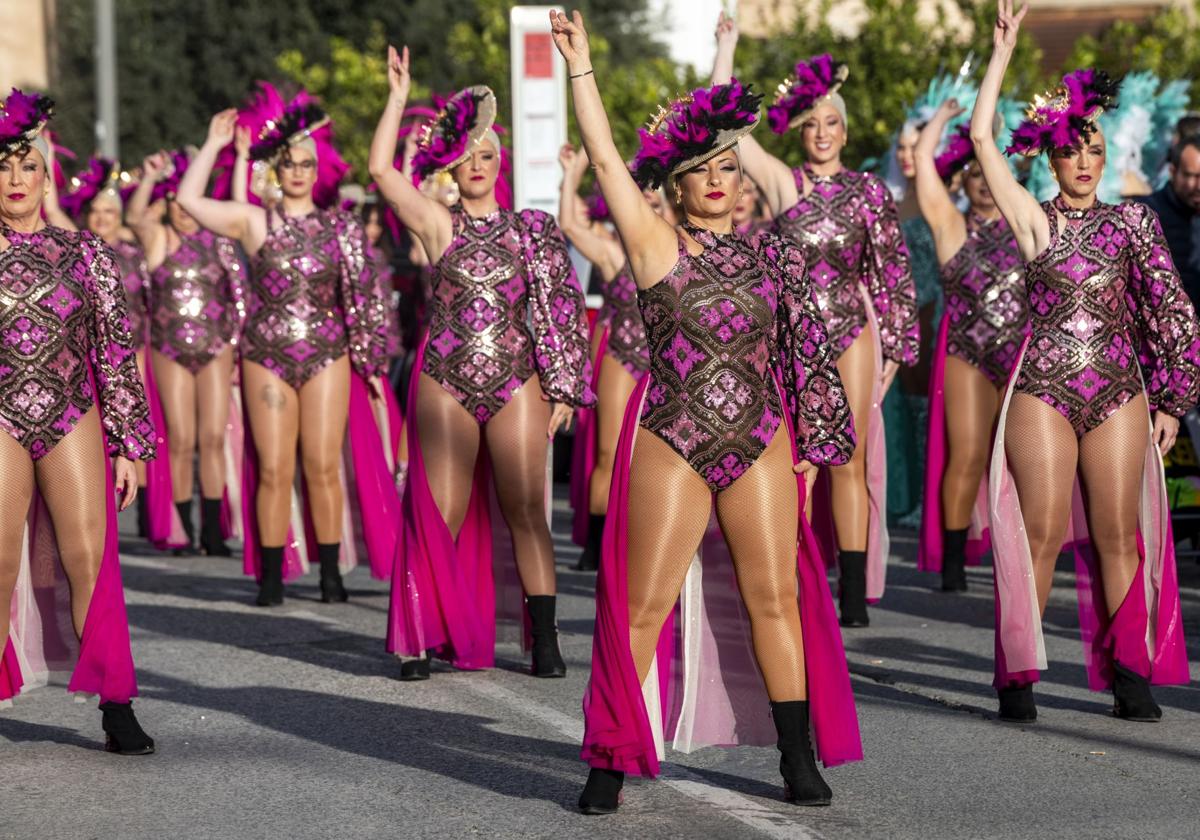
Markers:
<point>290,723</point>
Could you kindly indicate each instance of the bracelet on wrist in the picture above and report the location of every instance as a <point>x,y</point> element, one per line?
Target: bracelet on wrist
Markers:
<point>580,75</point>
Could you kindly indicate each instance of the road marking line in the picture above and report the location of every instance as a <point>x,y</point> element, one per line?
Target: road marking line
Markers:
<point>746,811</point>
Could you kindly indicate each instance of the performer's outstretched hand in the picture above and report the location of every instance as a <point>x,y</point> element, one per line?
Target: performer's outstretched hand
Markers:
<point>125,480</point>
<point>399,77</point>
<point>220,128</point>
<point>1008,24</point>
<point>572,40</point>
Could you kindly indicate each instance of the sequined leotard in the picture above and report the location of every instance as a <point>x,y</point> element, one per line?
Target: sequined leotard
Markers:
<point>1104,296</point>
<point>313,299</point>
<point>620,315</point>
<point>721,326</point>
<point>850,229</point>
<point>62,310</point>
<point>987,316</point>
<point>196,300</point>
<point>131,266</point>
<point>381,271</point>
<point>506,304</point>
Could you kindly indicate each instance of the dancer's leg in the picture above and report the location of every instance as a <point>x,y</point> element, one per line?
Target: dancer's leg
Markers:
<point>449,441</point>
<point>1042,451</point>
<point>177,390</point>
<point>849,481</point>
<point>213,384</point>
<point>972,404</point>
<point>275,426</point>
<point>72,482</point>
<point>615,388</point>
<point>669,507</point>
<point>324,410</point>
<point>759,518</point>
<point>516,439</point>
<point>16,491</point>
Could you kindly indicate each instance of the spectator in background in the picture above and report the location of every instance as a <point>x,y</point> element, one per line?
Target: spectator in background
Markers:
<point>1177,204</point>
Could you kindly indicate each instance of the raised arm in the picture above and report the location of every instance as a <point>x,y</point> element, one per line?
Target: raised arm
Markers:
<point>424,217</point>
<point>945,221</point>
<point>601,252</point>
<point>147,226</point>
<point>240,188</point>
<point>243,222</point>
<point>1022,211</point>
<point>773,176</point>
<point>651,243</point>
<point>55,215</point>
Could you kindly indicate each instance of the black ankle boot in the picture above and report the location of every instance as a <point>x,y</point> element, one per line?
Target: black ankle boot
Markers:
<point>852,588</point>
<point>954,560</point>
<point>185,515</point>
<point>123,734</point>
<point>270,585</point>
<point>589,561</point>
<point>414,670</point>
<point>602,793</point>
<point>332,588</point>
<point>1016,704</point>
<point>802,780</point>
<point>547,659</point>
<point>1132,699</point>
<point>212,542</point>
<point>143,514</point>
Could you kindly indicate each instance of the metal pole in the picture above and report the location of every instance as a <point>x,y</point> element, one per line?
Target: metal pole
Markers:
<point>107,133</point>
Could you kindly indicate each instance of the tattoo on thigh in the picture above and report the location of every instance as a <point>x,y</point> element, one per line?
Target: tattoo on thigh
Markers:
<point>273,397</point>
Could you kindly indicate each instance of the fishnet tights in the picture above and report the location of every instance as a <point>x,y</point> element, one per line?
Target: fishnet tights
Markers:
<point>516,440</point>
<point>315,418</point>
<point>972,404</point>
<point>71,481</point>
<point>1043,453</point>
<point>615,388</point>
<point>848,482</point>
<point>669,506</point>
<point>196,410</point>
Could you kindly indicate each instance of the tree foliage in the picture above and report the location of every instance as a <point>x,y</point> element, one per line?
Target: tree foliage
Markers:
<point>891,60</point>
<point>1166,43</point>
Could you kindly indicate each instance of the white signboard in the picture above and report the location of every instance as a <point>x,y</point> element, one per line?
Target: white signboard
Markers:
<point>539,107</point>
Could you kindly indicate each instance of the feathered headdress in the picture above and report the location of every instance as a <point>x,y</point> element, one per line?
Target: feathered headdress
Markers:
<point>461,122</point>
<point>101,176</point>
<point>168,182</point>
<point>811,83</point>
<point>693,129</point>
<point>22,118</point>
<point>597,207</point>
<point>957,154</point>
<point>276,124</point>
<point>1065,116</point>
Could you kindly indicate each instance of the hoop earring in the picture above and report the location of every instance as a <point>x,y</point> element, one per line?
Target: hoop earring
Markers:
<point>678,194</point>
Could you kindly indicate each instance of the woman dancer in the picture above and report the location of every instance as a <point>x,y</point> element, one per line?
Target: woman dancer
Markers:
<point>858,261</point>
<point>196,310</point>
<point>619,355</point>
<point>503,365</point>
<point>70,399</point>
<point>741,400</point>
<point>984,325</point>
<point>1113,339</point>
<point>311,349</point>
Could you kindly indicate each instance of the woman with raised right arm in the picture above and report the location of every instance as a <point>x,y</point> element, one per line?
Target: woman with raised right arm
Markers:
<point>619,355</point>
<point>1111,364</point>
<point>741,400</point>
<point>847,223</point>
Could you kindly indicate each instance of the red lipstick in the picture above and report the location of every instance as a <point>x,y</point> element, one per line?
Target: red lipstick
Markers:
<point>17,196</point>
<point>715,194</point>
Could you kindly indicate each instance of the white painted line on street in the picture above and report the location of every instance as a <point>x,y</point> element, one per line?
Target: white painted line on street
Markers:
<point>746,811</point>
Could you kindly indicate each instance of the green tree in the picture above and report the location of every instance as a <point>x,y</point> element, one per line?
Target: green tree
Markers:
<point>891,60</point>
<point>1166,43</point>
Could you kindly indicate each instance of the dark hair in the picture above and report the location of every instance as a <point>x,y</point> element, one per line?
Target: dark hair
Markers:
<point>1185,141</point>
<point>385,245</point>
<point>1188,125</point>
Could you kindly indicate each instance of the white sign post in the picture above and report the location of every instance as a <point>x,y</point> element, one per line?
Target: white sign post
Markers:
<point>539,108</point>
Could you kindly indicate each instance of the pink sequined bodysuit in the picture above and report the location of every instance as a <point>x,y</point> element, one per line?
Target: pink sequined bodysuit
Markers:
<point>621,316</point>
<point>987,316</point>
<point>313,299</point>
<point>62,315</point>
<point>849,227</point>
<point>722,325</point>
<point>381,272</point>
<point>1104,299</point>
<point>196,300</point>
<point>506,304</point>
<point>131,266</point>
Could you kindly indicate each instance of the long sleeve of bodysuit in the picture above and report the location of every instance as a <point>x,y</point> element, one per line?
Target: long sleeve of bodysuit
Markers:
<point>362,300</point>
<point>887,274</point>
